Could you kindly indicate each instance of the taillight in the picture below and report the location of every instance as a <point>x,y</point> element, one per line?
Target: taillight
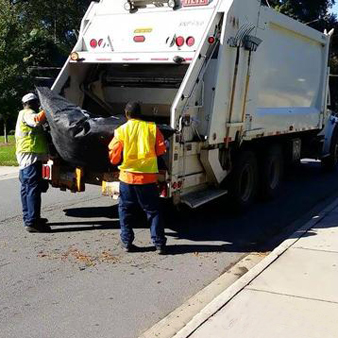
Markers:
<point>180,41</point>
<point>190,41</point>
<point>75,56</point>
<point>139,38</point>
<point>46,172</point>
<point>93,43</point>
<point>211,40</point>
<point>163,189</point>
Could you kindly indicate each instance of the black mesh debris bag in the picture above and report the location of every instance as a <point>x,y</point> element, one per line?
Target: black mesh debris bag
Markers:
<point>79,138</point>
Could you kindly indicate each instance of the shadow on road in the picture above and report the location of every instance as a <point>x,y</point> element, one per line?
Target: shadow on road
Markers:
<point>84,226</point>
<point>262,227</point>
<point>94,212</point>
<point>248,231</point>
<point>180,249</point>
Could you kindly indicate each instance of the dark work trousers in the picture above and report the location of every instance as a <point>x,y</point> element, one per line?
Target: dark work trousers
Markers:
<point>147,197</point>
<point>30,179</point>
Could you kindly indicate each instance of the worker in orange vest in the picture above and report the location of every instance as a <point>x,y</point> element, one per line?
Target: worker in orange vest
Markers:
<point>141,143</point>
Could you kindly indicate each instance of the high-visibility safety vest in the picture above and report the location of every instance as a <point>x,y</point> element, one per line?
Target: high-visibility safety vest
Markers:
<point>139,146</point>
<point>29,139</point>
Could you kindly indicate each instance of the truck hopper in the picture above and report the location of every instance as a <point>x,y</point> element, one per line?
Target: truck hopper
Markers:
<point>80,138</point>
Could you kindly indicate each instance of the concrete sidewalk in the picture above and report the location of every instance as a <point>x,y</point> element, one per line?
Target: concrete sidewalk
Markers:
<point>8,172</point>
<point>291,293</point>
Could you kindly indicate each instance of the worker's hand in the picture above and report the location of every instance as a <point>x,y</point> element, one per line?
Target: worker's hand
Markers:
<point>40,118</point>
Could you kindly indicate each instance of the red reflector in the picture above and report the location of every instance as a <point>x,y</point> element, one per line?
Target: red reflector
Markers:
<point>163,189</point>
<point>180,41</point>
<point>139,38</point>
<point>47,172</point>
<point>190,41</point>
<point>100,42</point>
<point>93,43</point>
<point>211,40</point>
<point>174,185</point>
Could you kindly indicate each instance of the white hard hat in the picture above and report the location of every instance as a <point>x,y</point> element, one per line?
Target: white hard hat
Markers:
<point>29,97</point>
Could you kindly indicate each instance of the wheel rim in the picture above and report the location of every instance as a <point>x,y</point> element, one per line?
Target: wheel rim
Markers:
<point>246,183</point>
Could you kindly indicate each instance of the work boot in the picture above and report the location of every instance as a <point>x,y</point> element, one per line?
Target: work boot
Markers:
<point>31,229</point>
<point>161,249</point>
<point>38,227</point>
<point>128,247</point>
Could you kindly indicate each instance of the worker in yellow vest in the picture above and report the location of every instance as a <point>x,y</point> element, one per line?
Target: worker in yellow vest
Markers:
<point>141,143</point>
<point>31,151</point>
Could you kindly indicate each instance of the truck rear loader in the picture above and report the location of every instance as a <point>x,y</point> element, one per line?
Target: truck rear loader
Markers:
<point>245,88</point>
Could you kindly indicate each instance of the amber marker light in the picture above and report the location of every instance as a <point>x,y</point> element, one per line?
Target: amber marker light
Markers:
<point>75,56</point>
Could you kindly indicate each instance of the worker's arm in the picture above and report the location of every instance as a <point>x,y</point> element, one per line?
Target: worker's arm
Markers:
<point>160,144</point>
<point>35,120</point>
<point>115,151</point>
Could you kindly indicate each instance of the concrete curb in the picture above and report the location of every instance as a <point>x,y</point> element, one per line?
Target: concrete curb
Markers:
<point>181,316</point>
<point>219,302</point>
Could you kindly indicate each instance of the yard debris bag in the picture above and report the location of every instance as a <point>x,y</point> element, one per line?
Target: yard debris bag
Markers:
<point>80,138</point>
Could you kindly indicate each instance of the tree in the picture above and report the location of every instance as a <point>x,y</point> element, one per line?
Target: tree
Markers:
<point>12,67</point>
<point>307,11</point>
<point>58,19</point>
<point>51,33</point>
<point>35,33</point>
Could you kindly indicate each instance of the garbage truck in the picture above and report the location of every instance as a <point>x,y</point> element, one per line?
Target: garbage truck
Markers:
<point>245,88</point>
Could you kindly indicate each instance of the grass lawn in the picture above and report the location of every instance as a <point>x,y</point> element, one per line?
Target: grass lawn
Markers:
<point>7,152</point>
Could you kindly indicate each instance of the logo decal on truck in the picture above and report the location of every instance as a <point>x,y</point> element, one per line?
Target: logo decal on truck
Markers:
<point>192,3</point>
<point>143,30</point>
<point>191,23</point>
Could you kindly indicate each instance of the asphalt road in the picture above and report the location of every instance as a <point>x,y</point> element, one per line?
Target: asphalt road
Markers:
<point>77,282</point>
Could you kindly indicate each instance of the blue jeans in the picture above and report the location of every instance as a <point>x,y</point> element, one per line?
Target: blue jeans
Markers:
<point>147,197</point>
<point>30,179</point>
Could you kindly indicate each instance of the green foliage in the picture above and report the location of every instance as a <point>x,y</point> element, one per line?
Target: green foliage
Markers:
<point>304,10</point>
<point>314,13</point>
<point>7,152</point>
<point>12,65</point>
<point>40,49</point>
<point>58,19</point>
<point>35,33</point>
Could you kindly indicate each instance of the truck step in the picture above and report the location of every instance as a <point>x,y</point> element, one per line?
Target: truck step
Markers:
<point>197,198</point>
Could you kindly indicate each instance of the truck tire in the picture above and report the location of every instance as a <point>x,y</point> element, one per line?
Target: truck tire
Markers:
<point>329,163</point>
<point>243,180</point>
<point>271,172</point>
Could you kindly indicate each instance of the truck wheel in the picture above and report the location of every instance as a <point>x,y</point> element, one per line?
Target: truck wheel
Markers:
<point>329,163</point>
<point>243,180</point>
<point>271,172</point>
